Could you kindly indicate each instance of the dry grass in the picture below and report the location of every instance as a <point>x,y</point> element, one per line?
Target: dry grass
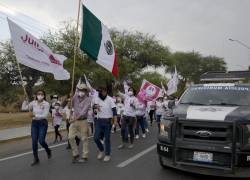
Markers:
<point>14,120</point>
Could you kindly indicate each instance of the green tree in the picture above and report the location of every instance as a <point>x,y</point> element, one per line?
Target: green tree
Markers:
<point>9,74</point>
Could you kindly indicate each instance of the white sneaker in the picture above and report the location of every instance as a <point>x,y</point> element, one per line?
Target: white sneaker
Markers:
<point>147,130</point>
<point>137,137</point>
<point>107,158</point>
<point>143,135</point>
<point>100,155</point>
<point>102,142</point>
<point>128,135</point>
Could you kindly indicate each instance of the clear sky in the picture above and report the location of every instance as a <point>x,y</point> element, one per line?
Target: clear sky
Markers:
<point>182,25</point>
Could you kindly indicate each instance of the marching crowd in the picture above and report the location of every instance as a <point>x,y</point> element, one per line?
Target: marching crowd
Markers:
<point>94,113</point>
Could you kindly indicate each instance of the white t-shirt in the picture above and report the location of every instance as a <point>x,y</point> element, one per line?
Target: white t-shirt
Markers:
<point>67,112</point>
<point>120,108</point>
<point>57,117</point>
<point>140,109</point>
<point>41,111</point>
<point>159,108</point>
<point>105,106</point>
<point>151,105</point>
<point>130,106</point>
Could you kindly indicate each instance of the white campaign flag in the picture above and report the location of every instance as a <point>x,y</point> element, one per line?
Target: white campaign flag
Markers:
<point>33,53</point>
<point>173,83</point>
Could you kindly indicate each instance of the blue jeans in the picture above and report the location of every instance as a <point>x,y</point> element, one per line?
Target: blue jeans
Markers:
<point>140,122</point>
<point>103,127</point>
<point>158,120</point>
<point>38,133</point>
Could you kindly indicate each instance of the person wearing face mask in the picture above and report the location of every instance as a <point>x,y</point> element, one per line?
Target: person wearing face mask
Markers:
<point>57,116</point>
<point>81,104</point>
<point>54,99</point>
<point>39,111</point>
<point>120,110</point>
<point>105,108</point>
<point>129,117</point>
<point>159,111</point>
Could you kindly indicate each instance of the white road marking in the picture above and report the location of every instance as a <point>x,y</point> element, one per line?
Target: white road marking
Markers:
<point>30,152</point>
<point>137,156</point>
<point>41,149</point>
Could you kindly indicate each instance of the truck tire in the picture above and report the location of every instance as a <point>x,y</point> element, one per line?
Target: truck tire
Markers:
<point>162,163</point>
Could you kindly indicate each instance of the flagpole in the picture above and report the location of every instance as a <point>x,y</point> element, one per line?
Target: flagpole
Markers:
<point>74,60</point>
<point>75,49</point>
<point>21,76</point>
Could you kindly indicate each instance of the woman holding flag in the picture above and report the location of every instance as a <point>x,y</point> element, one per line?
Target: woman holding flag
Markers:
<point>39,111</point>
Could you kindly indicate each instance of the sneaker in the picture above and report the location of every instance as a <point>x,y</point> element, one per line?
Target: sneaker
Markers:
<point>49,154</point>
<point>75,159</point>
<point>128,135</point>
<point>147,130</point>
<point>100,155</point>
<point>137,137</point>
<point>82,160</point>
<point>102,142</point>
<point>107,158</point>
<point>35,162</point>
<point>143,135</point>
<point>112,131</point>
<point>122,146</point>
<point>131,146</point>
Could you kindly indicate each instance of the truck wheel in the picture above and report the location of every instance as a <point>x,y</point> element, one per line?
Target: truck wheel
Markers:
<point>162,163</point>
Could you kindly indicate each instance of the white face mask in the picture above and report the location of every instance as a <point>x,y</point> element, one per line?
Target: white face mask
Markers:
<point>130,93</point>
<point>40,97</point>
<point>81,94</point>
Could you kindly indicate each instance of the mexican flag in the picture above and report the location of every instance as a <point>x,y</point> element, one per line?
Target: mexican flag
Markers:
<point>97,43</point>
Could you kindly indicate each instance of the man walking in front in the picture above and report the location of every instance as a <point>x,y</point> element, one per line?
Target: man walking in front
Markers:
<point>81,104</point>
<point>105,109</point>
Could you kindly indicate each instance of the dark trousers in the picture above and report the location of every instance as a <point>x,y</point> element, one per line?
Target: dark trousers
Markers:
<point>158,120</point>
<point>140,122</point>
<point>103,127</point>
<point>57,133</point>
<point>128,123</point>
<point>38,133</point>
<point>151,116</point>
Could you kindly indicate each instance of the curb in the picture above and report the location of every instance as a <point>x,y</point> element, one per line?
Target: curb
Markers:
<point>24,137</point>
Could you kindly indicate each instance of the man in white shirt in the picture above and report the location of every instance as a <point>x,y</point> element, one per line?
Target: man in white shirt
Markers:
<point>105,110</point>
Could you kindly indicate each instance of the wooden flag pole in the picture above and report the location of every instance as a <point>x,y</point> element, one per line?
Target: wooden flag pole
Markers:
<point>75,50</point>
<point>74,60</point>
<point>21,76</point>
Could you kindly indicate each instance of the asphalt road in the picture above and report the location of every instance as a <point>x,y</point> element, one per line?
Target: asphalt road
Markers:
<point>140,163</point>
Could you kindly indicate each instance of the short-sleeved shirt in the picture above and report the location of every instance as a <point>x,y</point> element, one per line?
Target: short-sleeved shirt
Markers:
<point>140,109</point>
<point>40,110</point>
<point>159,108</point>
<point>120,108</point>
<point>57,117</point>
<point>106,107</point>
<point>81,107</point>
<point>130,106</point>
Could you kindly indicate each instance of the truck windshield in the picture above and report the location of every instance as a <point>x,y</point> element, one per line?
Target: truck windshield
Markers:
<point>217,95</point>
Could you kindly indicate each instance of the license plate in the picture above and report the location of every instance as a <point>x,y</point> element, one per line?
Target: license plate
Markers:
<point>203,157</point>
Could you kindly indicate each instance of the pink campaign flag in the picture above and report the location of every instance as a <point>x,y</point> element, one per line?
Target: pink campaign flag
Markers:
<point>148,92</point>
